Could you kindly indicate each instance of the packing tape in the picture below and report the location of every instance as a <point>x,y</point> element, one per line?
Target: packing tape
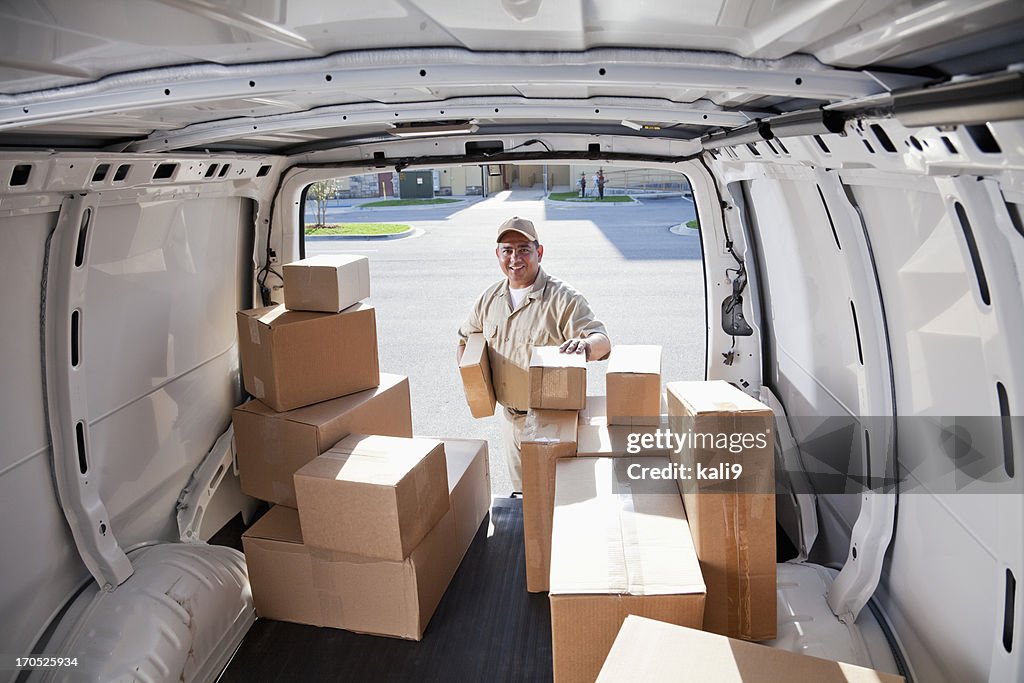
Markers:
<point>257,387</point>
<point>254,331</point>
<point>556,384</point>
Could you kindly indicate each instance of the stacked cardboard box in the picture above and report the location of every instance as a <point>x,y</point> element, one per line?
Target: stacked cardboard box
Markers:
<point>634,385</point>
<point>371,523</point>
<point>657,652</point>
<point>732,520</point>
<point>558,381</point>
<point>547,436</point>
<point>620,546</point>
<point>293,581</point>
<point>271,446</point>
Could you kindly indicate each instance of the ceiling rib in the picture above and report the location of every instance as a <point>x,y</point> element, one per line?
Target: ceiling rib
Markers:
<point>595,109</point>
<point>439,68</point>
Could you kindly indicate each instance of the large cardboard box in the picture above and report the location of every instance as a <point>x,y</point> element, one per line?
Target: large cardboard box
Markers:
<point>475,370</point>
<point>469,482</point>
<point>280,568</point>
<point>558,381</point>
<point>620,545</point>
<point>547,436</point>
<point>634,385</point>
<point>387,597</point>
<point>655,652</point>
<point>292,359</point>
<point>271,446</point>
<point>327,282</point>
<point>733,520</point>
<point>292,582</point>
<point>375,496</point>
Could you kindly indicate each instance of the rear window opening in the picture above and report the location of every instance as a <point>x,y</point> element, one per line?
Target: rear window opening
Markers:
<point>615,254</point>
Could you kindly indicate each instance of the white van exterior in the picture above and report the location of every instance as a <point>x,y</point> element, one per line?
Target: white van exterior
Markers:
<point>857,169</point>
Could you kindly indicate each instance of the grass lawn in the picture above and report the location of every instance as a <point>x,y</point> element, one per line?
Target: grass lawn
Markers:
<point>409,202</point>
<point>359,229</point>
<point>691,224</point>
<point>575,197</point>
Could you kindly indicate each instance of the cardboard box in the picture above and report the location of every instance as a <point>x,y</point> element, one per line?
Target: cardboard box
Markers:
<point>271,446</point>
<point>387,597</point>
<point>280,568</point>
<point>375,496</point>
<point>558,381</point>
<point>328,282</point>
<point>732,521</point>
<point>475,370</point>
<point>469,482</point>
<point>620,545</point>
<point>547,436</point>
<point>292,359</point>
<point>634,385</point>
<point>656,652</point>
<point>292,582</point>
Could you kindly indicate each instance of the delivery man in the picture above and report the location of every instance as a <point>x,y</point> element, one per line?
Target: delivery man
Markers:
<point>526,309</point>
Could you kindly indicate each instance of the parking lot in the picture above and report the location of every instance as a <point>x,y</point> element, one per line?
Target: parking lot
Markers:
<point>643,281</point>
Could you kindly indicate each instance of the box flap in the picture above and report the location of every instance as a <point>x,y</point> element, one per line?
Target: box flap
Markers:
<point>617,534</point>
<point>656,652</point>
<point>278,524</point>
<point>551,357</point>
<point>635,359</point>
<point>714,397</point>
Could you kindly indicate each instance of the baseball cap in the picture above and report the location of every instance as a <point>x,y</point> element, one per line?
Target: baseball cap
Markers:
<point>516,224</point>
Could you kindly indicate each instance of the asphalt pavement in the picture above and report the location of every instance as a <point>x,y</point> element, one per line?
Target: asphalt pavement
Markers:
<point>643,281</point>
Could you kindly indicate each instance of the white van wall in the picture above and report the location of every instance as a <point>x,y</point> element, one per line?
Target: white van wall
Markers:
<point>952,334</point>
<point>168,264</point>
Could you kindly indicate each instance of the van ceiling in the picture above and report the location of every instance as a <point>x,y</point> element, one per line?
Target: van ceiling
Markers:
<point>285,75</point>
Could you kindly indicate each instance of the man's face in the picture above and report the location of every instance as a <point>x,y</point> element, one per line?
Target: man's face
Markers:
<point>519,259</point>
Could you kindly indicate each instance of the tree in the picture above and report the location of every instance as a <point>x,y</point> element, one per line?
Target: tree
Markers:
<point>320,192</point>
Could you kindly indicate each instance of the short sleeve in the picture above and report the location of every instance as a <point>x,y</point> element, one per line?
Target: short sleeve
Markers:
<point>578,319</point>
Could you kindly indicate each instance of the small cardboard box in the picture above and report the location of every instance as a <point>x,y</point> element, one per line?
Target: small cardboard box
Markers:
<point>558,381</point>
<point>475,370</point>
<point>271,446</point>
<point>620,545</point>
<point>328,282</point>
<point>634,385</point>
<point>656,652</point>
<point>375,496</point>
<point>547,436</point>
<point>733,521</point>
<point>292,359</point>
<point>469,481</point>
<point>280,568</point>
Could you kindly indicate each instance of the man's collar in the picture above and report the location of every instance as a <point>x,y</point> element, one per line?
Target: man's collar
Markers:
<point>535,290</point>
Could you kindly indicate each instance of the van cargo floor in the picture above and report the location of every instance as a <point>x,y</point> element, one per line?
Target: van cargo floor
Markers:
<point>487,628</point>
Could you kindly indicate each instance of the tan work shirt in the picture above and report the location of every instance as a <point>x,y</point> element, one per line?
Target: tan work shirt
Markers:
<point>551,313</point>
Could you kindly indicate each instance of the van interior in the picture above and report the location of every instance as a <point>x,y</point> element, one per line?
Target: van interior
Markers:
<point>857,169</point>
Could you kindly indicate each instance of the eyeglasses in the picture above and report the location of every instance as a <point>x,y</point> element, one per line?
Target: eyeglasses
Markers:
<point>520,250</point>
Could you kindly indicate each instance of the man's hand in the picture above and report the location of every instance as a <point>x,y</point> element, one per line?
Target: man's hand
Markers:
<point>576,346</point>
